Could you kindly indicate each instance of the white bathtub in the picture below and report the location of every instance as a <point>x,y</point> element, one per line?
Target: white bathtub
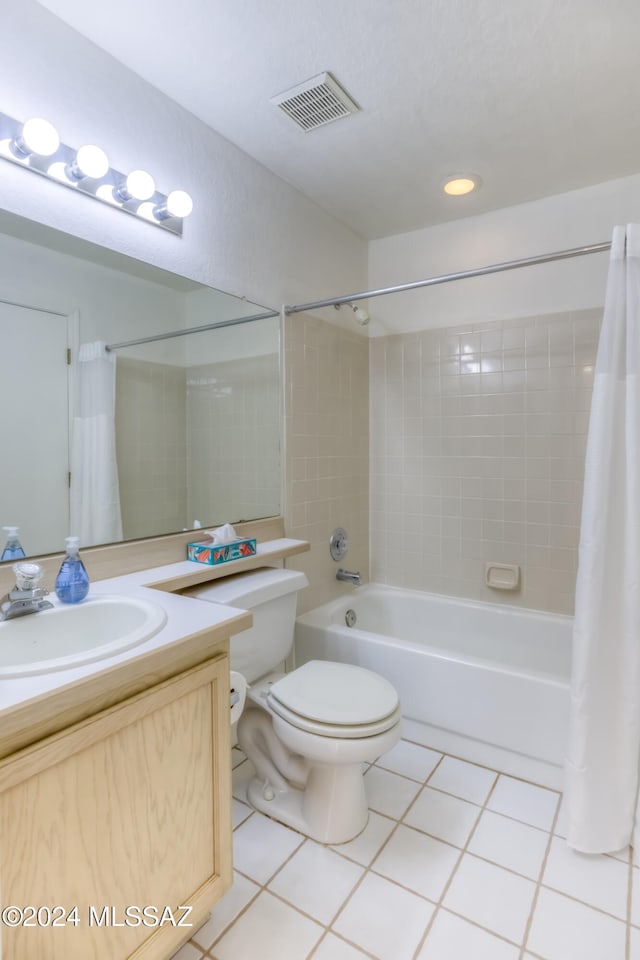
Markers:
<point>484,682</point>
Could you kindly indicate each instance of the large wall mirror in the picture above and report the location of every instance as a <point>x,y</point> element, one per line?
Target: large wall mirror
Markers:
<point>195,438</point>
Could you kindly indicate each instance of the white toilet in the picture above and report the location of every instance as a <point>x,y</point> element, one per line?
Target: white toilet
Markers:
<point>308,732</point>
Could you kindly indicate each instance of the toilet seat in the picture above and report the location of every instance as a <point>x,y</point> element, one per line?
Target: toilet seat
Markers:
<point>335,700</point>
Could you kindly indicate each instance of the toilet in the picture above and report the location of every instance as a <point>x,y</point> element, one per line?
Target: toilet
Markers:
<point>308,732</point>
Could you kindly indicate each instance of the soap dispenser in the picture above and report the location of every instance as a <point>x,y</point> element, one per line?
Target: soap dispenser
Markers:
<point>13,548</point>
<point>72,582</point>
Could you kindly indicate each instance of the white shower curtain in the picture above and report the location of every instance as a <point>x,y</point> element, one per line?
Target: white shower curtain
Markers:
<point>95,495</point>
<point>602,771</point>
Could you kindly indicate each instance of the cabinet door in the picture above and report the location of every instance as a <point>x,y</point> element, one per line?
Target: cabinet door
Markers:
<point>128,809</point>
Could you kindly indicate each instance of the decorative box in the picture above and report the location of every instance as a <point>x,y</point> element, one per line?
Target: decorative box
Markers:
<point>215,553</point>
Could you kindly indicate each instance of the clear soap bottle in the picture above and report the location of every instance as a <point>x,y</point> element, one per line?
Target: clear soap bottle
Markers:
<point>72,582</point>
<point>13,548</point>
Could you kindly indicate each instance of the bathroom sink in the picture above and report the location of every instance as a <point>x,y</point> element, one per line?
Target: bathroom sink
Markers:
<point>68,636</point>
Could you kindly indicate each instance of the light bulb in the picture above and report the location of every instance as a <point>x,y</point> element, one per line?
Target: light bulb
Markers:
<point>90,161</point>
<point>139,185</point>
<point>38,136</point>
<point>177,204</point>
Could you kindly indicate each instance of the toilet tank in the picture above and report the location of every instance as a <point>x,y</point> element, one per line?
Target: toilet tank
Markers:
<point>271,595</point>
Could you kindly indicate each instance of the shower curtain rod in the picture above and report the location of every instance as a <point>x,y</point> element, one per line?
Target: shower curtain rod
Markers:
<point>183,333</point>
<point>447,277</point>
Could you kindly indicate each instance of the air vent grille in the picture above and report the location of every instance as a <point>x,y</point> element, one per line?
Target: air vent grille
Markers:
<point>315,102</point>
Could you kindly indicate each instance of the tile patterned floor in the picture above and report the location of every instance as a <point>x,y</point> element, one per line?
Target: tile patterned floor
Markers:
<point>457,862</point>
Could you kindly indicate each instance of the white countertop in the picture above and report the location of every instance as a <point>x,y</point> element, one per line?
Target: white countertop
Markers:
<point>186,616</point>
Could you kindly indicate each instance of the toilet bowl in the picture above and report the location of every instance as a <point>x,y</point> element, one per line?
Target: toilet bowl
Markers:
<point>308,735</point>
<point>309,732</point>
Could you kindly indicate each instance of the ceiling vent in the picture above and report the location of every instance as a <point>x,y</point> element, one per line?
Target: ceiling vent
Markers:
<point>315,102</point>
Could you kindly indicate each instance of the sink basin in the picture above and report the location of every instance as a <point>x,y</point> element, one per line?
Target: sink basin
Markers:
<point>68,636</point>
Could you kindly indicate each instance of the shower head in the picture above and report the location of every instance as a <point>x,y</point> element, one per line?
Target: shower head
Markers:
<point>362,317</point>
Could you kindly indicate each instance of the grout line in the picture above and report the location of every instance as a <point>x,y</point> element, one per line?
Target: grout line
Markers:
<point>536,893</point>
<point>463,850</point>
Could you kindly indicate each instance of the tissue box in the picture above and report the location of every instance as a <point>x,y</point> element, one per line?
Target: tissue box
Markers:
<point>214,554</point>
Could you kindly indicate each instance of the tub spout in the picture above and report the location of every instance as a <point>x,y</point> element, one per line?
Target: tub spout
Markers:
<point>349,576</point>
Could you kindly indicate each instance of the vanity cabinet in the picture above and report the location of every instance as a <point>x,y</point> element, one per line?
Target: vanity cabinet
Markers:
<point>126,809</point>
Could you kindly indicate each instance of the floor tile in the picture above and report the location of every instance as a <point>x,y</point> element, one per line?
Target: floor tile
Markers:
<point>452,938</point>
<point>564,929</point>
<point>421,863</point>
<point>464,780</point>
<point>410,760</point>
<point>226,910</point>
<point>317,881</point>
<point>188,952</point>
<point>261,846</point>
<point>333,948</point>
<point>388,793</point>
<point>634,945</point>
<point>237,757</point>
<point>510,844</point>
<point>635,896</point>
<point>524,801</point>
<point>491,897</point>
<point>239,812</point>
<point>367,844</point>
<point>443,816</point>
<point>597,880</point>
<point>384,919</point>
<point>241,777</point>
<point>270,930</point>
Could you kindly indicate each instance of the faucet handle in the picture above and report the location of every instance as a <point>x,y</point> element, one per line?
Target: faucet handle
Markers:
<point>28,576</point>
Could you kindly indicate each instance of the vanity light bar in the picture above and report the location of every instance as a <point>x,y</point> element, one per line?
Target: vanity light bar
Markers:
<point>35,145</point>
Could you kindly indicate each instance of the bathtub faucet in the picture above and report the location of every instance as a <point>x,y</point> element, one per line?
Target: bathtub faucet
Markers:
<point>349,576</point>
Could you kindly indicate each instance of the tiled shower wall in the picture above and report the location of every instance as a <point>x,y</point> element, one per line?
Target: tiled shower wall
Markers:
<point>233,439</point>
<point>478,438</point>
<point>327,450</point>
<point>151,446</point>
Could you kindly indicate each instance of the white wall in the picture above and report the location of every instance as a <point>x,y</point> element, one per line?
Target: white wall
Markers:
<point>555,223</point>
<point>250,234</point>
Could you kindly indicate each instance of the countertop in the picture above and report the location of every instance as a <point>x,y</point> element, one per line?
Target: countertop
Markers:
<point>34,706</point>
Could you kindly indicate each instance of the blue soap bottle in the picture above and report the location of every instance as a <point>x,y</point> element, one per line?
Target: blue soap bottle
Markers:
<point>72,582</point>
<point>13,548</point>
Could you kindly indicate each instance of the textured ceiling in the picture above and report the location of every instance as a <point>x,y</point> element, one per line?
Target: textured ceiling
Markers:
<point>537,97</point>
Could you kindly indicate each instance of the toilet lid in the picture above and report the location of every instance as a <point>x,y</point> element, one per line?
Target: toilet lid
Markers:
<point>340,695</point>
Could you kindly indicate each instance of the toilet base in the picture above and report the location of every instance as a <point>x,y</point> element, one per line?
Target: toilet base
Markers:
<point>331,808</point>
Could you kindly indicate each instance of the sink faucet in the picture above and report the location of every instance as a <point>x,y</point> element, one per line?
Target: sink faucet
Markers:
<point>27,596</point>
<point>349,576</point>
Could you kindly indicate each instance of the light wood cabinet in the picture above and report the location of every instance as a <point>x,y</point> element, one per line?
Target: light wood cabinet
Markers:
<point>126,809</point>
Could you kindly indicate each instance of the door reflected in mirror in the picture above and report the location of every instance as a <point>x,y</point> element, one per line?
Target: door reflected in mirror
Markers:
<point>195,422</point>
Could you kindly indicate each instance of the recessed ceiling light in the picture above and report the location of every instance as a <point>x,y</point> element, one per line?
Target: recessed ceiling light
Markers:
<point>461,183</point>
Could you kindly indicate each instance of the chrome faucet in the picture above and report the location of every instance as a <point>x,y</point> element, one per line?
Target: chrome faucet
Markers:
<point>27,596</point>
<point>349,576</point>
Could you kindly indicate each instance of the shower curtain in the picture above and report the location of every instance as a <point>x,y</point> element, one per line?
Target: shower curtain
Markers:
<point>602,771</point>
<point>95,495</point>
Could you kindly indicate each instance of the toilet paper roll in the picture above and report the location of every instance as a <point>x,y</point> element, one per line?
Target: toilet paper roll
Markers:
<point>238,694</point>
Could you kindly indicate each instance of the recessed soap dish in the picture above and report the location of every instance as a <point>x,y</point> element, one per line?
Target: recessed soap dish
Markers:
<point>502,576</point>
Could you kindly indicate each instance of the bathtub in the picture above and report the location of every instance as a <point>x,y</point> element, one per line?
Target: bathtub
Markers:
<point>483,682</point>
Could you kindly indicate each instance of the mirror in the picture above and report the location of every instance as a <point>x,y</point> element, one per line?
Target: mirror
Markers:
<point>197,416</point>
